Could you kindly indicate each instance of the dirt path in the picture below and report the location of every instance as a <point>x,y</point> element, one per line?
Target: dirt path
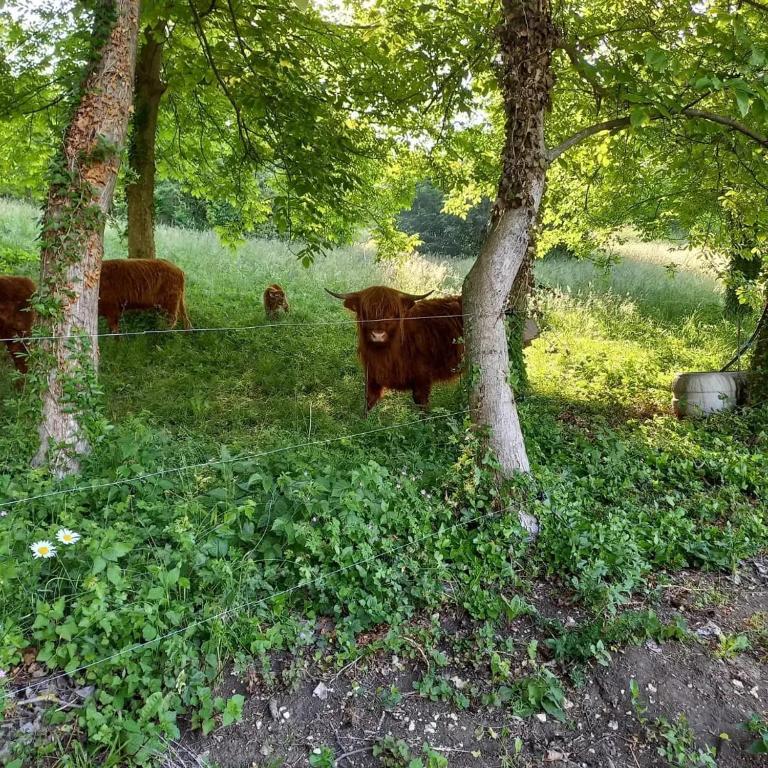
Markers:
<point>345,713</point>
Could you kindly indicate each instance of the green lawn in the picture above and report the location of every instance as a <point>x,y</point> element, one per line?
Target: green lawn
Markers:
<point>620,486</point>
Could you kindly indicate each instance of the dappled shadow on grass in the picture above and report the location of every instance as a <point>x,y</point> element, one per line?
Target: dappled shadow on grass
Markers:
<point>241,388</point>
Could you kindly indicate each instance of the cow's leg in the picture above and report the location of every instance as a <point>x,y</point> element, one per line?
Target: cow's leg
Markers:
<point>171,311</point>
<point>373,392</point>
<point>18,352</point>
<point>421,392</point>
<point>112,316</point>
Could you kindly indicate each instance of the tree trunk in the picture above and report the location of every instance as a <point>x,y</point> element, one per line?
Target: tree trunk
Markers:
<point>140,192</point>
<point>73,239</point>
<point>742,270</point>
<point>527,40</point>
<point>759,362</point>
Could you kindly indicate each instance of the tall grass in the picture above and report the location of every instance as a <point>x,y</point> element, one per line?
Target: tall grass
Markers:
<point>611,336</point>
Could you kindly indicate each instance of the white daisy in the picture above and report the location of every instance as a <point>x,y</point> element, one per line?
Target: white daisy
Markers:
<point>65,536</point>
<point>43,549</point>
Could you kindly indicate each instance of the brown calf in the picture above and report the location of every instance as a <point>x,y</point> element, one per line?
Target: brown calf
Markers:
<point>274,301</point>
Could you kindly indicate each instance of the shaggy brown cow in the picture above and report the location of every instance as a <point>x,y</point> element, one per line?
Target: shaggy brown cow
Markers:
<point>274,300</point>
<point>16,317</point>
<point>404,342</point>
<point>128,284</point>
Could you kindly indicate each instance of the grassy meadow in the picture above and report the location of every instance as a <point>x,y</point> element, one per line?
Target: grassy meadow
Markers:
<point>201,568</point>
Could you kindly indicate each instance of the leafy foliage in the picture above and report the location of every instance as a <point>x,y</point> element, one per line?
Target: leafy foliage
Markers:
<point>441,233</point>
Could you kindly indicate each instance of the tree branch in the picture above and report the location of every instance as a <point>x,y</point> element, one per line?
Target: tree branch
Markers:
<point>571,50</point>
<point>620,123</point>
<point>607,126</point>
<point>760,6</point>
<point>728,122</point>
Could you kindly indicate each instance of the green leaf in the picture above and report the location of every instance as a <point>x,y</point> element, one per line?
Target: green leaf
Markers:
<point>743,101</point>
<point>656,59</point>
<point>149,632</point>
<point>116,551</point>
<point>639,116</point>
<point>233,711</point>
<point>115,575</point>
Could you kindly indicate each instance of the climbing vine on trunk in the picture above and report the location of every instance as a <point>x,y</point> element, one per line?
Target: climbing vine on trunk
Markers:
<point>527,38</point>
<point>81,185</point>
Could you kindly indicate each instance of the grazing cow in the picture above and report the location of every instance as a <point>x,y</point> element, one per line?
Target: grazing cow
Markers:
<point>404,342</point>
<point>128,284</point>
<point>274,300</point>
<point>16,317</point>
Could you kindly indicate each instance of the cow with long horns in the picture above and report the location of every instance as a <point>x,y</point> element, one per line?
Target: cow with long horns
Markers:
<point>406,342</point>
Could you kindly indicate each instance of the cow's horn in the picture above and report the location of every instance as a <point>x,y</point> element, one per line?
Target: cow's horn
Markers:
<point>417,296</point>
<point>341,296</point>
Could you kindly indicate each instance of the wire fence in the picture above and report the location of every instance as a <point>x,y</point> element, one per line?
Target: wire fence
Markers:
<point>232,328</point>
<point>693,307</point>
<point>229,460</point>
<point>256,602</point>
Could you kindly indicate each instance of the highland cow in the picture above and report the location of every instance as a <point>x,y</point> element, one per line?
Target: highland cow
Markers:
<point>136,284</point>
<point>404,342</point>
<point>16,316</point>
<point>274,301</point>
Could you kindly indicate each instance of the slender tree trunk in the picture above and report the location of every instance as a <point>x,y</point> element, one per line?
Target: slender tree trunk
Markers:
<point>743,267</point>
<point>527,39</point>
<point>759,362</point>
<point>742,270</point>
<point>140,192</point>
<point>73,239</point>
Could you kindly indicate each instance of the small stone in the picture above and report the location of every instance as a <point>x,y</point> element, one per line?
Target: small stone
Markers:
<point>321,691</point>
<point>412,726</point>
<point>710,629</point>
<point>737,683</point>
<point>266,750</point>
<point>554,756</point>
<point>259,723</point>
<point>458,682</point>
<point>541,717</point>
<point>651,688</point>
<point>653,646</point>
<point>754,692</point>
<point>613,725</point>
<point>529,524</point>
<point>286,715</point>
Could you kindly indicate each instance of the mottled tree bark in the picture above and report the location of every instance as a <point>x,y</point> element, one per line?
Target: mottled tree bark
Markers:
<point>73,238</point>
<point>759,362</point>
<point>140,192</point>
<point>527,39</point>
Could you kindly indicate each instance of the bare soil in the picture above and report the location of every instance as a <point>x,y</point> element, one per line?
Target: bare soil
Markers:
<point>283,725</point>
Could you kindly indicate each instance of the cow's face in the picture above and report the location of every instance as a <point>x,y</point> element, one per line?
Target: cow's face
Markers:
<point>275,296</point>
<point>380,312</point>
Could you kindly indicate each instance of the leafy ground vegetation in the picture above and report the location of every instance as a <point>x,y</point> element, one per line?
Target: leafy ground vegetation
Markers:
<point>281,564</point>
